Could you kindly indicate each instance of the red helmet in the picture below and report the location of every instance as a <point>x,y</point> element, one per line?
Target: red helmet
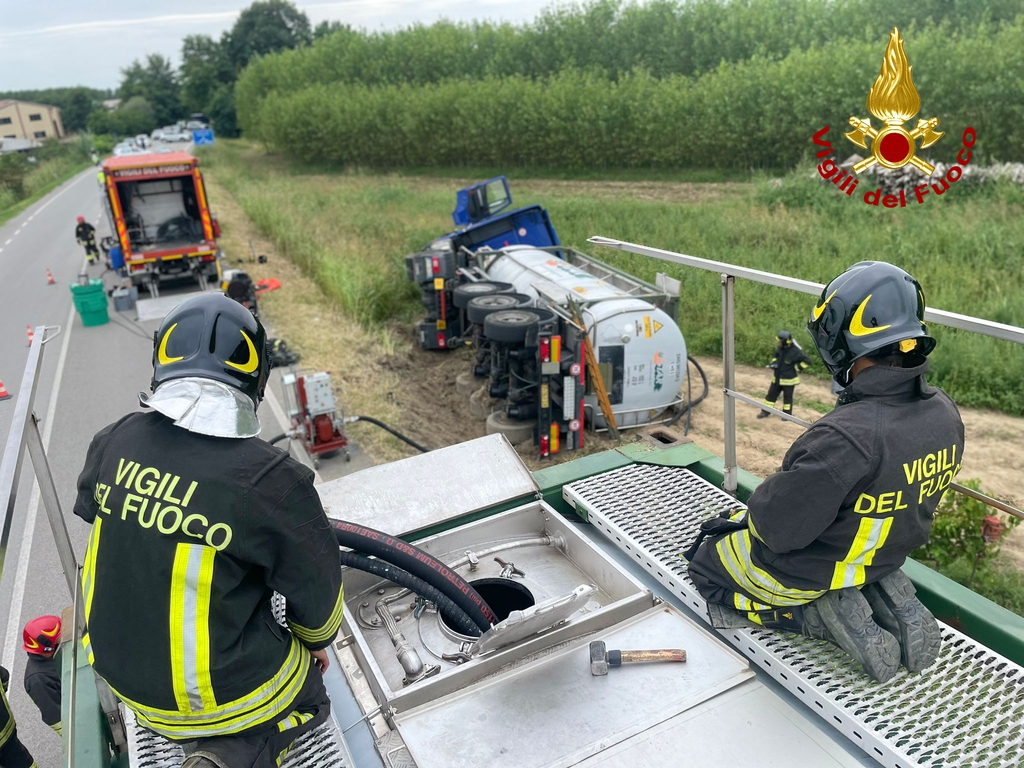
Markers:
<point>81,219</point>
<point>42,635</point>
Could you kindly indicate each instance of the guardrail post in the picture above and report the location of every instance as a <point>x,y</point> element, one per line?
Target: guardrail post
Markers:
<point>730,475</point>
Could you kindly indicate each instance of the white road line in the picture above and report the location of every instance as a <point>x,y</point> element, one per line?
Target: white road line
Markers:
<point>18,231</point>
<point>25,223</point>
<point>84,175</point>
<point>25,550</point>
<point>9,241</point>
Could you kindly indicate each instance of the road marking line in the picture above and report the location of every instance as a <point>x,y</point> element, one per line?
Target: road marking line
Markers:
<point>25,550</point>
<point>17,232</point>
<point>25,223</point>
<point>9,241</point>
<point>85,175</point>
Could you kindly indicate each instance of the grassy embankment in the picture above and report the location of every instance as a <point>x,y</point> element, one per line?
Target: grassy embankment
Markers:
<point>349,232</point>
<point>49,175</point>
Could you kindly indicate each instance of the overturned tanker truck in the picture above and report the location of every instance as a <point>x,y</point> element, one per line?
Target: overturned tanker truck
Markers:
<point>504,285</point>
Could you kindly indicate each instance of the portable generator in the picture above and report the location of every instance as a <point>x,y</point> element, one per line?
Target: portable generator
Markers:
<point>313,412</point>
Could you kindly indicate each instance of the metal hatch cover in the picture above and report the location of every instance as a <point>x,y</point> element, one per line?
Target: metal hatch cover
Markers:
<point>422,491</point>
<point>552,711</point>
<point>523,624</point>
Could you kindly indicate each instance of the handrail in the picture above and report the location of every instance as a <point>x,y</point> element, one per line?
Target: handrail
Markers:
<point>728,273</point>
<point>938,316</point>
<point>25,434</point>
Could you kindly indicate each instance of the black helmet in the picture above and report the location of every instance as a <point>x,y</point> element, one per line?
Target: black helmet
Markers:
<point>212,337</point>
<point>872,308</point>
<point>784,337</point>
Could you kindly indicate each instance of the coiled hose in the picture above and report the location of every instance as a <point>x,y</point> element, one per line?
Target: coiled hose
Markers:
<point>453,613</point>
<point>419,564</point>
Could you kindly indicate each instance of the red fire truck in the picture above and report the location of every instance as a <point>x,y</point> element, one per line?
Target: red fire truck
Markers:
<point>158,209</point>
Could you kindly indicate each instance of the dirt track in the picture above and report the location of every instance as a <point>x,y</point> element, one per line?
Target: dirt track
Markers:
<point>383,373</point>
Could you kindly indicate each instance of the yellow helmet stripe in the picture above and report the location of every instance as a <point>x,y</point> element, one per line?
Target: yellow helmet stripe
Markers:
<point>254,360</point>
<point>857,327</point>
<point>816,312</point>
<point>161,353</point>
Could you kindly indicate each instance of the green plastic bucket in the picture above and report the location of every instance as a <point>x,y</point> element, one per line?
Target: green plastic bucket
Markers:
<point>91,302</point>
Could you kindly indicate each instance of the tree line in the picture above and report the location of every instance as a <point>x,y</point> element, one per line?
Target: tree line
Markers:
<point>154,93</point>
<point>612,38</point>
<point>759,112</point>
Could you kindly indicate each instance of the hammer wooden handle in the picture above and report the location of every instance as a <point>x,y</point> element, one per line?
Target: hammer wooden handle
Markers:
<point>615,658</point>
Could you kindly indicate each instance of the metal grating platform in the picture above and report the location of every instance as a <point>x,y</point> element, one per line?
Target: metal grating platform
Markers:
<point>320,748</point>
<point>966,711</point>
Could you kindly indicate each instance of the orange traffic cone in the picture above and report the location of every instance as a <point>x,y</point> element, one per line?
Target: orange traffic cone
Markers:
<point>4,394</point>
<point>30,334</point>
<point>49,277</point>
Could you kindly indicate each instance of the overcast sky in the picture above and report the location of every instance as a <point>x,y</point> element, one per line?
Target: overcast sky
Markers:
<point>50,43</point>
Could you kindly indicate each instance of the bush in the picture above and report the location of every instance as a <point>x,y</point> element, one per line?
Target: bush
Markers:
<point>755,113</point>
<point>961,530</point>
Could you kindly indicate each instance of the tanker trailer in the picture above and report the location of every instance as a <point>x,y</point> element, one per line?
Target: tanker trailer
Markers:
<point>640,350</point>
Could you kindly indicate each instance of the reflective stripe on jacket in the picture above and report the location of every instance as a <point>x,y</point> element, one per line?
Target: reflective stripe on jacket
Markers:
<point>191,537</point>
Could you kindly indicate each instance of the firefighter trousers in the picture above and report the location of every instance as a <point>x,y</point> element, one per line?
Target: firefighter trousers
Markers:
<point>774,390</point>
<point>14,755</point>
<point>267,746</point>
<point>724,573</point>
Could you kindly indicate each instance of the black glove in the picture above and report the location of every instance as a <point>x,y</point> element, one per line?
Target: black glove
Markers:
<point>715,526</point>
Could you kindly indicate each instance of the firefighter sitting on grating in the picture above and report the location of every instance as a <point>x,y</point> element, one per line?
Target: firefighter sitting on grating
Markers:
<point>820,547</point>
<point>195,524</point>
<point>787,363</point>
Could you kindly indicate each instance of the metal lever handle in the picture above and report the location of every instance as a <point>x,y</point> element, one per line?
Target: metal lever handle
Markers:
<point>617,658</point>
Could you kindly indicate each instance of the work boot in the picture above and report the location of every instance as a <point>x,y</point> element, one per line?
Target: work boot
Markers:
<point>896,608</point>
<point>843,617</point>
<point>763,415</point>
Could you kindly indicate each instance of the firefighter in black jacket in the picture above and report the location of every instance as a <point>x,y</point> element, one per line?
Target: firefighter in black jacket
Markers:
<point>195,524</point>
<point>12,752</point>
<point>85,236</point>
<point>787,363</point>
<point>820,546</point>
<point>41,638</point>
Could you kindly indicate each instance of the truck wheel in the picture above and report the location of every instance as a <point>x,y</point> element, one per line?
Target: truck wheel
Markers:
<point>480,307</point>
<point>511,325</point>
<point>462,294</point>
<point>498,423</point>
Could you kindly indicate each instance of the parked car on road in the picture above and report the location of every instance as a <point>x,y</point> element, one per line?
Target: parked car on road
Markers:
<point>195,125</point>
<point>157,135</point>
<point>177,135</point>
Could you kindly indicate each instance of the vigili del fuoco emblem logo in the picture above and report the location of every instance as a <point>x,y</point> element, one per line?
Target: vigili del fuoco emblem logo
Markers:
<point>894,100</point>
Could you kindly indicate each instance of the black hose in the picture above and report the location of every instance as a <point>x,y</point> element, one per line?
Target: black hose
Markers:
<point>690,405</point>
<point>419,564</point>
<point>278,439</point>
<point>394,432</point>
<point>451,612</point>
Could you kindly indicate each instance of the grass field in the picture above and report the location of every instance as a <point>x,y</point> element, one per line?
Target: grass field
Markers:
<point>350,232</point>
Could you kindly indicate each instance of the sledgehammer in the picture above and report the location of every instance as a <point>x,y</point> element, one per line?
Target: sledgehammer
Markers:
<point>601,658</point>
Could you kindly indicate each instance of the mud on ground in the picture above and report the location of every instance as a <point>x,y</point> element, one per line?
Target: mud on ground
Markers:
<point>383,373</point>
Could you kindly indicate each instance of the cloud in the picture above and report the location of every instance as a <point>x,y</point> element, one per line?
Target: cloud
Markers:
<point>109,25</point>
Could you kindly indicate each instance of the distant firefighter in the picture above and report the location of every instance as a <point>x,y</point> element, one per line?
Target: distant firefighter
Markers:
<point>85,236</point>
<point>787,363</point>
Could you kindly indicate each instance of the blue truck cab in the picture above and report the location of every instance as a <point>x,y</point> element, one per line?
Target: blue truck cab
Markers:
<point>484,218</point>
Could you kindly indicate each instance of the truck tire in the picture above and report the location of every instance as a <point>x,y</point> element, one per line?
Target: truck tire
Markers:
<point>480,307</point>
<point>510,326</point>
<point>463,293</point>
<point>516,432</point>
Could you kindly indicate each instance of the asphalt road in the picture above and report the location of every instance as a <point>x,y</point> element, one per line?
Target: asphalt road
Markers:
<point>96,374</point>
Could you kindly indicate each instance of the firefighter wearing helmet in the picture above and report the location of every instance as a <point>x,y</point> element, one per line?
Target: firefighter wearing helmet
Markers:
<point>195,524</point>
<point>40,639</point>
<point>819,549</point>
<point>85,236</point>
<point>788,362</point>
